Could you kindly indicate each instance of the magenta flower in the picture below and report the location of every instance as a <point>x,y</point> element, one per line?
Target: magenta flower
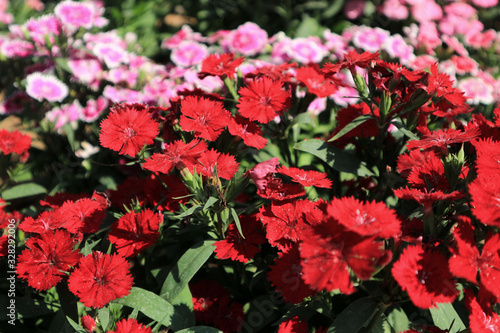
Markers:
<point>248,39</point>
<point>189,53</point>
<point>112,55</point>
<point>45,86</point>
<point>75,14</point>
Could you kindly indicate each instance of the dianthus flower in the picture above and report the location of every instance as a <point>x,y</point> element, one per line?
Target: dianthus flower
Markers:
<point>135,232</point>
<point>220,64</point>
<point>47,258</point>
<point>306,177</point>
<point>126,130</point>
<point>263,99</point>
<point>46,86</point>
<point>100,278</point>
<point>248,131</point>
<point>484,192</point>
<point>130,326</point>
<point>425,276</point>
<point>14,142</point>
<point>316,83</point>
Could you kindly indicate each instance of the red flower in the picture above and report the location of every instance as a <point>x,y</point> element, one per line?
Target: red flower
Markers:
<point>441,85</point>
<point>126,130</point>
<point>440,139</point>
<point>275,189</point>
<point>425,197</point>
<point>135,232</point>
<point>346,115</point>
<point>316,82</point>
<point>466,260</point>
<point>100,278</point>
<point>220,64</point>
<point>306,177</point>
<point>482,320</point>
<point>88,323</point>
<point>176,155</point>
<point>429,175</point>
<point>248,131</point>
<point>488,155</point>
<point>44,222</point>
<point>237,248</point>
<point>205,117</point>
<point>47,258</point>
<point>14,142</point>
<point>84,215</point>
<point>367,219</point>
<point>294,325</point>
<point>286,276</point>
<point>226,164</point>
<point>130,326</point>
<point>329,250</point>
<point>425,276</point>
<point>485,195</point>
<point>263,99</point>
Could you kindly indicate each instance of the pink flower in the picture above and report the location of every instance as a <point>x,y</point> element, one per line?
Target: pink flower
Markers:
<point>354,9</point>
<point>42,27</point>
<point>75,14</point>
<point>260,172</point>
<point>394,9</point>
<point>93,109</point>
<point>85,70</point>
<point>307,50</point>
<point>46,86</point>
<point>464,65</point>
<point>248,39</point>
<point>188,53</point>
<point>476,90</point>
<point>64,114</point>
<point>369,39</point>
<point>185,34</point>
<point>427,10</point>
<point>112,55</point>
<point>396,47</point>
<point>485,3</point>
<point>16,48</point>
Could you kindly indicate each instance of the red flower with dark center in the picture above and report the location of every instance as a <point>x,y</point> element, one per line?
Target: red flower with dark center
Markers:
<point>205,117</point>
<point>126,130</point>
<point>425,276</point>
<point>220,64</point>
<point>306,177</point>
<point>47,258</point>
<point>440,139</point>
<point>286,276</point>
<point>367,219</point>
<point>248,131</point>
<point>225,164</point>
<point>429,175</point>
<point>263,99</point>
<point>100,278</point>
<point>176,155</point>
<point>14,142</point>
<point>130,326</point>
<point>237,248</point>
<point>316,82</point>
<point>135,232</point>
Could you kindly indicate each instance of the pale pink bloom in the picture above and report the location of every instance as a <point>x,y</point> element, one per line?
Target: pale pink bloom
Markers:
<point>17,48</point>
<point>279,53</point>
<point>485,3</point>
<point>426,10</point>
<point>209,84</point>
<point>112,55</point>
<point>464,65</point>
<point>75,14</point>
<point>85,70</point>
<point>5,18</point>
<point>119,95</point>
<point>260,172</point>
<point>346,94</point>
<point>248,39</point>
<point>481,39</point>
<point>93,109</point>
<point>422,62</point>
<point>34,4</point>
<point>461,9</point>
<point>186,33</point>
<point>454,44</point>
<point>411,33</point>
<point>188,53</point>
<point>397,48</point>
<point>394,9</point>
<point>317,106</point>
<point>334,43</point>
<point>370,39</point>
<point>490,80</point>
<point>64,114</point>
<point>46,86</point>
<point>14,103</point>
<point>307,50</point>
<point>218,36</point>
<point>159,90</point>
<point>428,36</point>
<point>109,37</point>
<point>44,26</point>
<point>122,74</point>
<point>447,67</point>
<point>353,9</point>
<point>476,90</point>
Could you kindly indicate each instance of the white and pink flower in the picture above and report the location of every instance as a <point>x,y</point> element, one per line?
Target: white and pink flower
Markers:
<point>188,53</point>
<point>64,114</point>
<point>248,39</point>
<point>476,90</point>
<point>93,109</point>
<point>369,39</point>
<point>307,50</point>
<point>46,86</point>
<point>75,15</point>
<point>85,70</point>
<point>112,55</point>
<point>47,26</point>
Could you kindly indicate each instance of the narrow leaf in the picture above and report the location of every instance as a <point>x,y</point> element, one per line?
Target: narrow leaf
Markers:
<point>186,268</point>
<point>355,316</point>
<point>22,191</point>
<point>75,326</point>
<point>352,125</point>
<point>445,315</point>
<point>210,202</point>
<point>237,222</point>
<point>402,128</point>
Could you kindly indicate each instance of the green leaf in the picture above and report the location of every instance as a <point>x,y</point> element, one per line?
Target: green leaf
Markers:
<point>103,315</point>
<point>355,316</point>
<point>237,222</point>
<point>308,27</point>
<point>150,304</point>
<point>22,191</point>
<point>445,315</point>
<point>340,160</point>
<point>352,125</point>
<point>402,128</point>
<point>89,245</point>
<point>200,329</point>
<point>75,326</point>
<point>188,212</point>
<point>184,313</point>
<point>63,63</point>
<point>186,268</point>
<point>398,320</point>
<point>210,202</point>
